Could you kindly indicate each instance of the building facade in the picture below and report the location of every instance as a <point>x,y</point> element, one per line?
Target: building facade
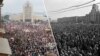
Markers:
<point>27,15</point>
<point>93,17</point>
<point>27,12</point>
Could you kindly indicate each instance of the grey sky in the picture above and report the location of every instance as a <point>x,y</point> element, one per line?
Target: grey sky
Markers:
<point>53,5</point>
<point>16,6</point>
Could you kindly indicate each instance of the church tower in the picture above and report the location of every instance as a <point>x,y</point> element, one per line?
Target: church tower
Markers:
<point>27,12</point>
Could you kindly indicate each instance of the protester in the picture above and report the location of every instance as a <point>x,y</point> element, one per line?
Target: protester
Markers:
<point>77,39</point>
<point>27,39</point>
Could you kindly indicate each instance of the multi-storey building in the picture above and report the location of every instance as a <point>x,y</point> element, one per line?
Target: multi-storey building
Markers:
<point>28,14</point>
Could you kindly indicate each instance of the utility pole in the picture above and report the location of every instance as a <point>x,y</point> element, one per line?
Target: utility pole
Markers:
<point>4,45</point>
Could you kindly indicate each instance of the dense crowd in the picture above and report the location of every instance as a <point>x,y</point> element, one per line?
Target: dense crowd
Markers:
<point>77,39</point>
<point>27,39</point>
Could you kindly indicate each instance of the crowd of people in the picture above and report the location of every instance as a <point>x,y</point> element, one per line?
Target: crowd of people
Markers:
<point>77,39</point>
<point>28,39</point>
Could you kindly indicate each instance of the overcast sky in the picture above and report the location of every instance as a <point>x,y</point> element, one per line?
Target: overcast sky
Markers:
<point>16,6</point>
<point>53,5</point>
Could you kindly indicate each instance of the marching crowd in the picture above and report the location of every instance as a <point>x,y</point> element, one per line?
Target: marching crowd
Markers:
<point>27,39</point>
<point>77,39</point>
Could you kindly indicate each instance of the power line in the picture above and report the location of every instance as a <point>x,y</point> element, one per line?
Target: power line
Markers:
<point>73,6</point>
<point>76,8</point>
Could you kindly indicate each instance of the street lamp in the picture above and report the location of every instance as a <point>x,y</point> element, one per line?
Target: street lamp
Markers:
<point>4,45</point>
